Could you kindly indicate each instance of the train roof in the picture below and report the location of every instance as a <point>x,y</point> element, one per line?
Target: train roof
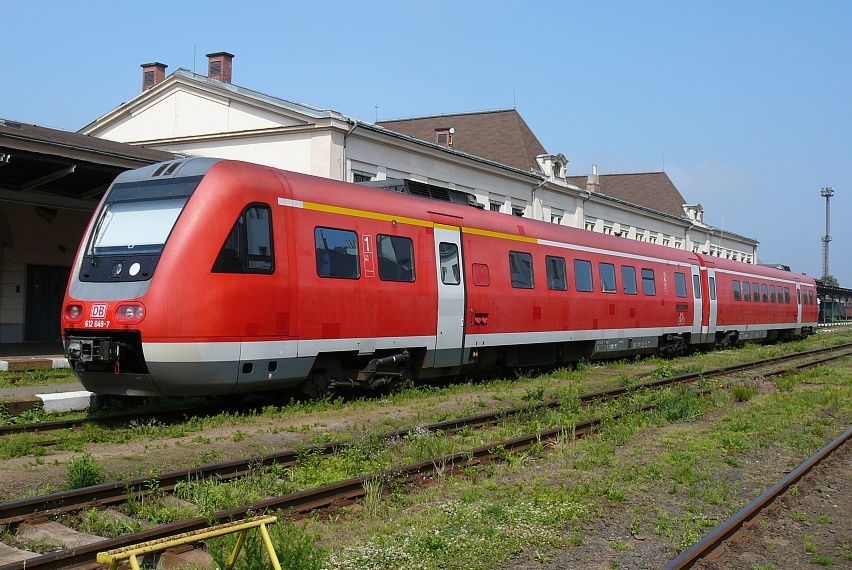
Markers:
<point>309,188</point>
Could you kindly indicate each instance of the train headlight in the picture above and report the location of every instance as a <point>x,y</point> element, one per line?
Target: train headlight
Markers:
<point>73,313</point>
<point>130,313</point>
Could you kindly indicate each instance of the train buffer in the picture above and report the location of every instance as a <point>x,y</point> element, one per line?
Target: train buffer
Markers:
<point>134,552</point>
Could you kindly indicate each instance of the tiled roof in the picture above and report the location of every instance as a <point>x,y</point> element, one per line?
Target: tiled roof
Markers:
<point>653,190</point>
<point>501,135</point>
<point>69,139</point>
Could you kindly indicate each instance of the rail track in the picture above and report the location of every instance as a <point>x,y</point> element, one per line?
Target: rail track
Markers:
<point>730,527</point>
<point>14,512</point>
<point>184,413</point>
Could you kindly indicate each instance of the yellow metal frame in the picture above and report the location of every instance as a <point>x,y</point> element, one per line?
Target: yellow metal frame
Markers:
<point>131,553</point>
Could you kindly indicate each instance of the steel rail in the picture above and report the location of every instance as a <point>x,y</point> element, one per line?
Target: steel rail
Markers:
<point>731,526</point>
<point>330,494</point>
<point>315,498</point>
<point>178,413</point>
<point>117,491</point>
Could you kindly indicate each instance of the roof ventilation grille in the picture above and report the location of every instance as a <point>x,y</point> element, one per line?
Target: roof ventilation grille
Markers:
<point>425,190</point>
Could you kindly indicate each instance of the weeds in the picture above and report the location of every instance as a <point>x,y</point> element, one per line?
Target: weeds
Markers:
<point>84,471</point>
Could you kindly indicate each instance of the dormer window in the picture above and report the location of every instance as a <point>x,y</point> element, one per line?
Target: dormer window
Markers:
<point>557,169</point>
<point>444,137</point>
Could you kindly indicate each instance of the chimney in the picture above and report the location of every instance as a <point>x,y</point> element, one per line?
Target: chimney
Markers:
<point>219,66</point>
<point>593,182</point>
<point>152,74</point>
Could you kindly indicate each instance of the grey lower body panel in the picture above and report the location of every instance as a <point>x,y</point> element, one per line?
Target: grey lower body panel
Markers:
<point>624,346</point>
<point>200,378</point>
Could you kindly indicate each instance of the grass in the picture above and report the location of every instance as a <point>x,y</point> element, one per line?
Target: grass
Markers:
<point>36,377</point>
<point>84,471</point>
<point>493,512</point>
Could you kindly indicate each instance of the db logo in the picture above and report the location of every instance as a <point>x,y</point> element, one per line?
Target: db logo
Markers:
<point>99,311</point>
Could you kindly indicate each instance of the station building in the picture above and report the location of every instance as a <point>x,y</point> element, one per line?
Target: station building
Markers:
<point>493,155</point>
<point>51,180</point>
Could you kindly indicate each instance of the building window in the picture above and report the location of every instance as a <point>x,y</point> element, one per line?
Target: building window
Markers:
<point>520,268</point>
<point>607,229</point>
<point>361,177</point>
<point>518,211</point>
<point>590,224</point>
<point>556,216</point>
<point>652,237</point>
<point>678,244</point>
<point>666,240</point>
<point>494,206</point>
<point>640,234</point>
<point>444,137</point>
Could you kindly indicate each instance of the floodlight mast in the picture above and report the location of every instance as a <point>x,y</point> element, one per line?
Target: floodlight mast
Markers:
<point>826,193</point>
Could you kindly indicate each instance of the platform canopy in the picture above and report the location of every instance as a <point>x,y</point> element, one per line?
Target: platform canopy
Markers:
<point>52,168</point>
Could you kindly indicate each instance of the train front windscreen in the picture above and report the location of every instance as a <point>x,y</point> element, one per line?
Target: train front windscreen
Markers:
<point>133,227</point>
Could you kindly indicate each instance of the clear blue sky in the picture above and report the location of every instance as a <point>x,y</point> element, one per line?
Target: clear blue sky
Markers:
<point>747,104</point>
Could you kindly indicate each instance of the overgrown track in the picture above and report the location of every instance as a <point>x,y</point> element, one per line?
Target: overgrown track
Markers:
<point>184,413</point>
<point>333,493</point>
<point>117,491</point>
<point>731,526</point>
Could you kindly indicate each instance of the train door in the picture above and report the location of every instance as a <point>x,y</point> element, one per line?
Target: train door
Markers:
<point>708,316</point>
<point>698,306</point>
<point>798,304</point>
<point>451,298</point>
<point>712,301</point>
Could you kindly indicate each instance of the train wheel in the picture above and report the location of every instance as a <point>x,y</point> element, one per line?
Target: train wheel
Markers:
<point>315,386</point>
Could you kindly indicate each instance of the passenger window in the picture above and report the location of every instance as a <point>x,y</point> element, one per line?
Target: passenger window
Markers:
<point>628,280</point>
<point>765,291</point>
<point>337,253</point>
<point>772,293</point>
<point>696,286</point>
<point>756,288</point>
<point>712,288</point>
<point>396,258</point>
<point>787,295</point>
<point>607,272</point>
<point>248,247</point>
<point>583,275</point>
<point>481,278</point>
<point>798,296</point>
<point>680,284</point>
<point>450,270</point>
<point>556,278</point>
<point>737,295</point>
<point>649,287</point>
<point>746,291</point>
<point>520,266</point>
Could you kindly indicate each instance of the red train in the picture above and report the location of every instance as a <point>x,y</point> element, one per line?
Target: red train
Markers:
<point>207,276</point>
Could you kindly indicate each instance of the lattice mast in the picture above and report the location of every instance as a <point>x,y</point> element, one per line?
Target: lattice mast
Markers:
<point>826,193</point>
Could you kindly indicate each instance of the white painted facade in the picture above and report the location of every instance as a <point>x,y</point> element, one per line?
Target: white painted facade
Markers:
<point>194,115</point>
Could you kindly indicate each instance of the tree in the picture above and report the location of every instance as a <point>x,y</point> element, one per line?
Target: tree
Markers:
<point>831,281</point>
